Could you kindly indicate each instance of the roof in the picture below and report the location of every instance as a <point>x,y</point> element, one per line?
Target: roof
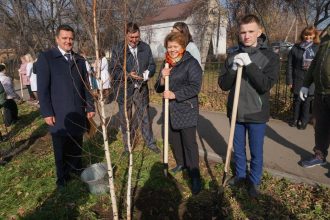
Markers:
<point>171,13</point>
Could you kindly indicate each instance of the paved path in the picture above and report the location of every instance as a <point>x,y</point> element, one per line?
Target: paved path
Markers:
<point>284,146</point>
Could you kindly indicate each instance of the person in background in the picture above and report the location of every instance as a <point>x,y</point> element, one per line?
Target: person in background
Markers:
<point>30,70</point>
<point>191,46</point>
<point>2,102</point>
<point>140,67</point>
<point>90,70</point>
<point>25,77</point>
<point>10,106</point>
<point>65,102</point>
<point>105,76</point>
<point>260,72</point>
<point>299,60</point>
<point>319,73</point>
<point>185,80</point>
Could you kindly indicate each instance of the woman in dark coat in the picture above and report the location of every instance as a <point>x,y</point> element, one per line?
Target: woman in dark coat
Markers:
<point>299,59</point>
<point>185,77</point>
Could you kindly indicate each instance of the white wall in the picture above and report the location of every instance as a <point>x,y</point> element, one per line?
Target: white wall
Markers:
<point>155,34</point>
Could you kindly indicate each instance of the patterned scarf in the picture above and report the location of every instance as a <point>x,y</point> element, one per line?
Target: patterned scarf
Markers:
<point>172,62</point>
<point>308,55</point>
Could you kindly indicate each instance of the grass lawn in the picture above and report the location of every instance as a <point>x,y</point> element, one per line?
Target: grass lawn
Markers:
<point>28,191</point>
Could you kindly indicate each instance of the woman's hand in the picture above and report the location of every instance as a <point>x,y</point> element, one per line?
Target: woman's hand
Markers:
<point>168,94</point>
<point>166,72</point>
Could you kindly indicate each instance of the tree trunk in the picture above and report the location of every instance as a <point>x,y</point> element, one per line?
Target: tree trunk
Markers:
<point>103,117</point>
<point>208,33</point>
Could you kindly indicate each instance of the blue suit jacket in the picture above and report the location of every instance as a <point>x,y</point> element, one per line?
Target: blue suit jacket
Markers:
<point>63,91</point>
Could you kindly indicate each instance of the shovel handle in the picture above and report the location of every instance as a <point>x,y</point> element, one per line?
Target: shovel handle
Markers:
<point>233,117</point>
<point>166,119</point>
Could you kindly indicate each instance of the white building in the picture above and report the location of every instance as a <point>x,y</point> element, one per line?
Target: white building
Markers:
<point>155,28</point>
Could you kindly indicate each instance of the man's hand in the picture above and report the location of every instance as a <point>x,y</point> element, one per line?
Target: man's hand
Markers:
<point>50,120</point>
<point>168,94</point>
<point>241,59</point>
<point>303,93</point>
<point>90,115</point>
<point>135,76</point>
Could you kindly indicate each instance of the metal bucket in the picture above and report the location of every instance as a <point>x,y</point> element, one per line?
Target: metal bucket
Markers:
<point>96,177</point>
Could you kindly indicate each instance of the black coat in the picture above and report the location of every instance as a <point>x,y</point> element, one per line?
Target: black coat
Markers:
<point>295,74</point>
<point>146,62</point>
<point>185,81</point>
<point>63,92</point>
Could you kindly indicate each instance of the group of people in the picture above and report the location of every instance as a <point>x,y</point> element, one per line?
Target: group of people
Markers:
<point>28,76</point>
<point>66,110</point>
<point>8,96</point>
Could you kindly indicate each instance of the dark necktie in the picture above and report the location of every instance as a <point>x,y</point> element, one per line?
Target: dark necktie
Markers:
<point>68,57</point>
<point>136,61</point>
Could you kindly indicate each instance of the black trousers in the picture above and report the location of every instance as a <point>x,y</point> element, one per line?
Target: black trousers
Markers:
<point>67,152</point>
<point>10,112</point>
<point>141,117</point>
<point>30,92</point>
<point>301,109</point>
<point>322,124</point>
<point>184,147</point>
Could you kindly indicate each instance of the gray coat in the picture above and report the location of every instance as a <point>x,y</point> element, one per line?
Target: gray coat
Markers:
<point>185,82</point>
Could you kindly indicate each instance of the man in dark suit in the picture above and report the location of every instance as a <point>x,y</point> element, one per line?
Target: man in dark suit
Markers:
<point>140,66</point>
<point>65,102</point>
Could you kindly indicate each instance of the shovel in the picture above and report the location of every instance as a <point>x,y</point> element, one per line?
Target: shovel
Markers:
<point>166,114</point>
<point>226,177</point>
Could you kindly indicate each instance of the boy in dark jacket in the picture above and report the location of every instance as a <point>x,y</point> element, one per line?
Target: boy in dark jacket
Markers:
<point>260,72</point>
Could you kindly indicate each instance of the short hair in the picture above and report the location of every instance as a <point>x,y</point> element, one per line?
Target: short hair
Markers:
<point>2,67</point>
<point>132,27</point>
<point>311,30</point>
<point>64,27</point>
<point>176,37</point>
<point>184,29</point>
<point>250,18</point>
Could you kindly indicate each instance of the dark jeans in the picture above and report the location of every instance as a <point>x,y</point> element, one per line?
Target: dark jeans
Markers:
<point>10,112</point>
<point>67,152</point>
<point>322,124</point>
<point>301,109</point>
<point>140,118</point>
<point>184,147</point>
<point>256,134</point>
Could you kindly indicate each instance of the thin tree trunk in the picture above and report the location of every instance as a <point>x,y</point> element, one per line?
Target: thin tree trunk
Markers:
<point>128,133</point>
<point>208,33</point>
<point>103,117</point>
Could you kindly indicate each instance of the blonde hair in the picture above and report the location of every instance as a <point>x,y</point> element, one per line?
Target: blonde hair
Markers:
<point>28,58</point>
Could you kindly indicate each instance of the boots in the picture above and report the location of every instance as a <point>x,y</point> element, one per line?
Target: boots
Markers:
<point>196,184</point>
